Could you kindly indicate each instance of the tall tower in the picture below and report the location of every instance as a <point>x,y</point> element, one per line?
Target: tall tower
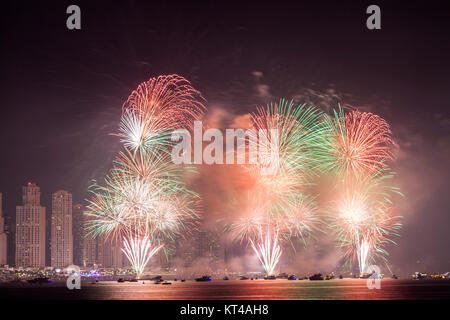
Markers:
<point>3,237</point>
<point>89,247</point>
<point>61,239</point>
<point>77,231</point>
<point>30,229</point>
<point>109,253</point>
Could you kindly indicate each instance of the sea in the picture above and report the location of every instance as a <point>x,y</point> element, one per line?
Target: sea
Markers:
<point>280,289</point>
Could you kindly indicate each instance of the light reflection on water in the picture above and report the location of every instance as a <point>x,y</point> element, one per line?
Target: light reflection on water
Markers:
<point>353,289</point>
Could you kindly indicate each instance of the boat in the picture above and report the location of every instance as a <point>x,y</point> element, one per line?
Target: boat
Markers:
<point>292,277</point>
<point>203,279</point>
<point>183,280</point>
<point>394,276</point>
<point>156,278</point>
<point>341,277</point>
<point>270,278</point>
<point>166,283</point>
<point>39,280</point>
<point>243,278</point>
<point>317,276</point>
<point>120,280</point>
<point>225,278</point>
<point>329,277</point>
<point>133,280</point>
<point>419,276</point>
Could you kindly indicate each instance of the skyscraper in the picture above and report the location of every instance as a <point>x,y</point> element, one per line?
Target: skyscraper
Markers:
<point>30,229</point>
<point>89,247</point>
<point>109,252</point>
<point>77,231</point>
<point>208,245</point>
<point>61,239</point>
<point>3,237</point>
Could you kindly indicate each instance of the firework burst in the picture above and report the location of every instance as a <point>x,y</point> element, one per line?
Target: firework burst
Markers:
<point>289,137</point>
<point>156,107</point>
<point>144,202</point>
<point>362,218</point>
<point>359,143</point>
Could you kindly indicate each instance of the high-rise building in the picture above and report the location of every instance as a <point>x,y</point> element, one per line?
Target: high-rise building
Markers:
<point>208,245</point>
<point>109,253</point>
<point>3,236</point>
<point>77,231</point>
<point>89,247</point>
<point>30,229</point>
<point>203,244</point>
<point>61,238</point>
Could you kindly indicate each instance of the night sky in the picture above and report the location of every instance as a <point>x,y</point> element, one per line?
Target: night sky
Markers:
<point>62,90</point>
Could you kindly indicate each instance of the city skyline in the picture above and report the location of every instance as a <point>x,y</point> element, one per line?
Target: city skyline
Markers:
<point>58,128</point>
<point>69,242</point>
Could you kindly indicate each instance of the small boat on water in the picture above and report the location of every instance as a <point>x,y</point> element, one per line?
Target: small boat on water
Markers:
<point>329,277</point>
<point>166,283</point>
<point>317,276</point>
<point>203,279</point>
<point>183,280</point>
<point>243,278</point>
<point>292,277</point>
<point>226,278</point>
<point>133,280</point>
<point>40,280</point>
<point>120,280</point>
<point>270,278</point>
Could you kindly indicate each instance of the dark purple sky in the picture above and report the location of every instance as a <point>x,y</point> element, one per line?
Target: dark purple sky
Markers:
<point>62,90</point>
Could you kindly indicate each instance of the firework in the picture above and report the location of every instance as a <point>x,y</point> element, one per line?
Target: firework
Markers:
<point>267,250</point>
<point>156,107</point>
<point>144,202</point>
<point>139,251</point>
<point>289,138</point>
<point>359,143</point>
<point>298,217</point>
<point>362,218</point>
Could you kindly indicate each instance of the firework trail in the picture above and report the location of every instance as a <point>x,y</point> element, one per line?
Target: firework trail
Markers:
<point>144,201</point>
<point>262,237</point>
<point>268,251</point>
<point>139,251</point>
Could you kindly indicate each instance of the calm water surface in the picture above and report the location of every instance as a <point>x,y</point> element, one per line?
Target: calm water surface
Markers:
<point>345,289</point>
